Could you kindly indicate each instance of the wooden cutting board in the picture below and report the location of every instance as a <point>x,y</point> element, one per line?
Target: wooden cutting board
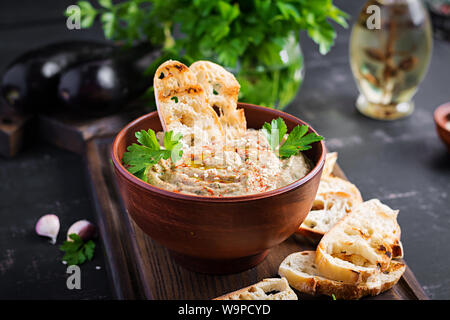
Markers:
<point>142,269</point>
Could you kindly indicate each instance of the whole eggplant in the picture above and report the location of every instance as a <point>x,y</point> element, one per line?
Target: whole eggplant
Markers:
<point>30,82</point>
<point>104,86</point>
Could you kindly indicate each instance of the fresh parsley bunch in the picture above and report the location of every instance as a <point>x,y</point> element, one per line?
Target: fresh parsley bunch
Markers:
<point>245,36</point>
<point>297,140</point>
<point>139,158</point>
<point>224,30</point>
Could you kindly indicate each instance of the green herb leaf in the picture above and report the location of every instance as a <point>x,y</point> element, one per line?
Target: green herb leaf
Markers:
<point>109,24</point>
<point>296,141</point>
<point>86,7</point>
<point>88,14</point>
<point>173,144</point>
<point>139,158</point>
<point>89,248</point>
<point>274,132</point>
<point>323,34</point>
<point>105,3</point>
<point>77,251</point>
<point>148,139</point>
<point>174,99</point>
<point>289,11</point>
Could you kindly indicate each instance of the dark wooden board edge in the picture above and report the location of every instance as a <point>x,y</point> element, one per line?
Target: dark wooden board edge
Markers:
<point>415,289</point>
<point>120,243</point>
<point>15,131</point>
<point>113,225</point>
<point>73,132</point>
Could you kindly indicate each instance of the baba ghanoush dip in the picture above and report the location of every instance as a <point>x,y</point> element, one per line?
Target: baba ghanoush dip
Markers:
<point>240,166</point>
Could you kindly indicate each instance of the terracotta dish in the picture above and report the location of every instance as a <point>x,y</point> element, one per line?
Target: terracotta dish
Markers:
<point>211,234</point>
<point>442,120</point>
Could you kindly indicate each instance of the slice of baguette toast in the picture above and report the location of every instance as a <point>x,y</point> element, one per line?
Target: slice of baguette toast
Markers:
<point>361,245</point>
<point>330,162</point>
<point>301,272</point>
<point>334,199</point>
<point>267,289</point>
<point>182,103</point>
<point>222,89</point>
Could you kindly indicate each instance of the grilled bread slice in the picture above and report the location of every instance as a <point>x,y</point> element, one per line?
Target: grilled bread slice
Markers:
<point>330,162</point>
<point>361,245</point>
<point>182,103</point>
<point>222,89</point>
<point>301,272</point>
<point>267,289</point>
<point>334,199</point>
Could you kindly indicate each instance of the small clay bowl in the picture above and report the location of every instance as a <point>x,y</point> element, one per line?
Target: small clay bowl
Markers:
<point>211,234</point>
<point>442,118</point>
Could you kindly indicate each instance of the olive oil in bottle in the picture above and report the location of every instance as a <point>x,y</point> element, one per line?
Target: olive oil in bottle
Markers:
<point>389,62</point>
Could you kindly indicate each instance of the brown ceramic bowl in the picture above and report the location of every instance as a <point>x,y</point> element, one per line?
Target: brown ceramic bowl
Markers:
<point>441,118</point>
<point>212,234</point>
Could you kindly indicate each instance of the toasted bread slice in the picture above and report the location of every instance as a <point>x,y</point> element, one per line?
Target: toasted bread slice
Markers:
<point>222,91</point>
<point>267,289</point>
<point>334,199</point>
<point>182,103</point>
<point>330,162</point>
<point>361,245</point>
<point>301,272</point>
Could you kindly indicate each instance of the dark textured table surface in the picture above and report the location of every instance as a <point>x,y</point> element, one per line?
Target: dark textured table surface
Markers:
<point>403,163</point>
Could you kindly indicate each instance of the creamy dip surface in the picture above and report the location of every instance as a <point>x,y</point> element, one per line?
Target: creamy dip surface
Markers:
<point>246,165</point>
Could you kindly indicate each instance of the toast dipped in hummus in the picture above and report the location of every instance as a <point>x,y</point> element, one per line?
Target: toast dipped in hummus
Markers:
<point>222,90</point>
<point>182,103</point>
<point>218,155</point>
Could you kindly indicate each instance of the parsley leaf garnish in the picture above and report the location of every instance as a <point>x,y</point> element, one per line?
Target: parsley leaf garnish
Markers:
<point>298,140</point>
<point>148,139</point>
<point>139,158</point>
<point>173,144</point>
<point>77,251</point>
<point>274,132</point>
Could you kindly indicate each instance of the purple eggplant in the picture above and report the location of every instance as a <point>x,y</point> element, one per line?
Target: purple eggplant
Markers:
<point>30,82</point>
<point>104,86</point>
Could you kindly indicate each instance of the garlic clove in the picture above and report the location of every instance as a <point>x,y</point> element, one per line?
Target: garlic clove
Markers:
<point>83,228</point>
<point>48,226</point>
